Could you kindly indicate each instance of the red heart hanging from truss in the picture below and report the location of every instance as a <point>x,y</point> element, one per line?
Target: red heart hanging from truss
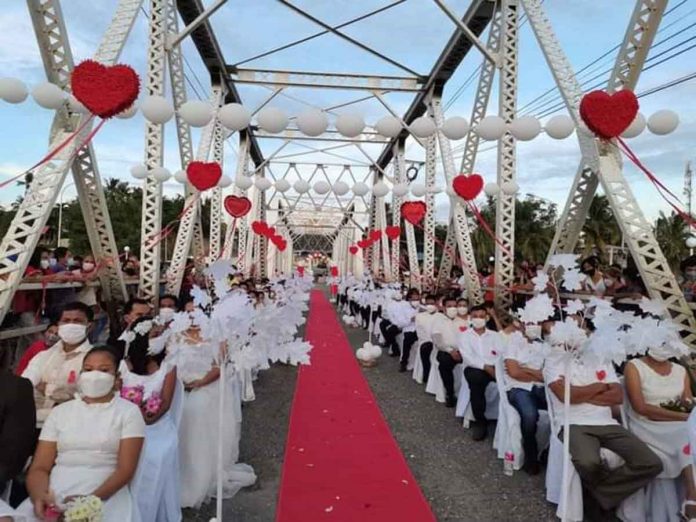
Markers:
<point>375,235</point>
<point>203,175</point>
<point>468,187</point>
<point>270,232</point>
<point>282,244</point>
<point>105,90</point>
<point>608,115</point>
<point>237,206</point>
<point>393,233</point>
<point>260,227</point>
<point>334,271</point>
<point>353,249</point>
<point>364,243</point>
<point>413,211</point>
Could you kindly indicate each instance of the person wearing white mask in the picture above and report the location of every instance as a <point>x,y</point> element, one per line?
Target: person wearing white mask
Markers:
<point>479,348</point>
<point>54,372</point>
<point>424,325</point>
<point>402,318</point>
<point>651,381</point>
<point>89,446</point>
<point>444,333</point>
<point>524,382</point>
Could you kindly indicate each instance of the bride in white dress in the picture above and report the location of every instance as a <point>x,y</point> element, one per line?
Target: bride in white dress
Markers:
<point>88,446</point>
<point>154,383</point>
<point>196,361</point>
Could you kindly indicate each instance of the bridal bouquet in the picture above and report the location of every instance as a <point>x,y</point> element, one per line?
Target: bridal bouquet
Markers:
<point>679,405</point>
<point>136,395</point>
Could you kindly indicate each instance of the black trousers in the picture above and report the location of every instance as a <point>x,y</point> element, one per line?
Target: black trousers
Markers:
<point>425,350</point>
<point>409,339</point>
<point>376,313</point>
<point>365,313</point>
<point>446,364</point>
<point>478,380</point>
<point>354,308</point>
<point>390,331</point>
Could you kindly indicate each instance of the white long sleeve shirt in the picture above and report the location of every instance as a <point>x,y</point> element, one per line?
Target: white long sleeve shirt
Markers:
<point>401,314</point>
<point>479,350</point>
<point>444,333</point>
<point>424,326</point>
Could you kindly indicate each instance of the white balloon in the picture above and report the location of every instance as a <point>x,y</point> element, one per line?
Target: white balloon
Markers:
<point>129,112</point>
<point>322,187</point>
<point>13,90</point>
<point>139,171</point>
<point>340,188</point>
<point>301,186</point>
<point>234,116</point>
<point>663,122</point>
<point>362,354</point>
<point>455,128</point>
<point>525,128</point>
<point>635,128</point>
<point>360,189</point>
<point>161,174</point>
<point>400,189</point>
<point>423,127</point>
<point>48,95</point>
<point>243,182</point>
<point>373,350</point>
<point>691,242</point>
<point>559,127</point>
<point>196,113</point>
<point>272,120</point>
<point>491,128</point>
<point>282,185</point>
<point>350,125</point>
<point>224,181</point>
<point>157,109</point>
<point>181,177</point>
<point>312,123</point>
<point>388,126</point>
<point>77,106</point>
<point>418,190</point>
<point>491,189</point>
<point>380,189</point>
<point>262,183</point>
<point>509,188</point>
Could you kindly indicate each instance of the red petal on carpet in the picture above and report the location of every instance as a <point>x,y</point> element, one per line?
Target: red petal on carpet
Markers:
<point>341,460</point>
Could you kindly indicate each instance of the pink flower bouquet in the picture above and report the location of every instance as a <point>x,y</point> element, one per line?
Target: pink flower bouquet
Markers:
<point>152,406</point>
<point>133,394</point>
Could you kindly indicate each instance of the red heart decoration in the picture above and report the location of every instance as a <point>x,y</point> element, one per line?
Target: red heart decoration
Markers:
<point>375,235</point>
<point>203,175</point>
<point>300,270</point>
<point>601,375</point>
<point>462,328</point>
<point>237,206</point>
<point>468,187</point>
<point>393,233</point>
<point>413,211</point>
<point>282,245</point>
<point>353,249</point>
<point>686,450</point>
<point>270,231</point>
<point>334,271</point>
<point>105,90</point>
<point>364,243</point>
<point>259,227</point>
<point>608,115</point>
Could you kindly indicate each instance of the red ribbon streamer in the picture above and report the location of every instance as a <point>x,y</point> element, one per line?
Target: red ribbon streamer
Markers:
<point>486,227</point>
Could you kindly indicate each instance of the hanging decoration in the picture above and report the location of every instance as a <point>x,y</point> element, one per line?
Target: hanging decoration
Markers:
<point>353,249</point>
<point>608,115</point>
<point>260,228</point>
<point>468,187</point>
<point>393,233</point>
<point>237,206</point>
<point>375,235</point>
<point>413,211</point>
<point>105,90</point>
<point>203,175</point>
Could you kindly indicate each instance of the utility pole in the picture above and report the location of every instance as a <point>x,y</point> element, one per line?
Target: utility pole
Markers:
<point>688,174</point>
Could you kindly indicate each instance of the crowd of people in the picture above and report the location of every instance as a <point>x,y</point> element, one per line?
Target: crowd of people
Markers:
<point>130,427</point>
<point>489,365</point>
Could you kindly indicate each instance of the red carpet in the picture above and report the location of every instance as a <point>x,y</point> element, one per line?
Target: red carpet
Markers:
<point>341,461</point>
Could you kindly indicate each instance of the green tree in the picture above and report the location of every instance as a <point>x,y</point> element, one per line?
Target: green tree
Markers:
<point>600,229</point>
<point>671,233</point>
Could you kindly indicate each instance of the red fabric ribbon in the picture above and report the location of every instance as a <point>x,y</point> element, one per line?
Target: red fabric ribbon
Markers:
<point>486,227</point>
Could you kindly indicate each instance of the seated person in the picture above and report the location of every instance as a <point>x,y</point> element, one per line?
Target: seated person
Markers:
<point>479,348</point>
<point>651,381</point>
<point>17,425</point>
<point>594,389</point>
<point>54,372</point>
<point>424,325</point>
<point>445,332</point>
<point>402,318</point>
<point>88,446</point>
<point>524,381</point>
<point>48,339</point>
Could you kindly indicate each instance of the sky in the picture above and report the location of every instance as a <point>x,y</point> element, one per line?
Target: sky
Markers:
<point>412,33</point>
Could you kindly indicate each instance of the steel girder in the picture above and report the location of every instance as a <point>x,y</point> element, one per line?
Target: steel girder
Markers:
<point>24,232</point>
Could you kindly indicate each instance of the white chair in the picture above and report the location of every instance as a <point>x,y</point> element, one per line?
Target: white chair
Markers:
<point>508,432</point>
<point>463,408</point>
<point>554,470</point>
<point>417,363</point>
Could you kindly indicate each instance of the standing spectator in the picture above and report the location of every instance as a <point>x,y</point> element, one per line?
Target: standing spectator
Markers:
<point>687,281</point>
<point>133,310</point>
<point>594,282</point>
<point>59,268</point>
<point>27,303</point>
<point>49,338</point>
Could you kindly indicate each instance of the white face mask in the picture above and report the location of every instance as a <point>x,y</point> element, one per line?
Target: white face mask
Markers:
<point>533,331</point>
<point>45,264</point>
<point>72,333</point>
<point>95,384</point>
<point>397,297</point>
<point>478,323</point>
<point>87,267</point>
<point>660,353</point>
<point>462,310</point>
<point>431,308</point>
<point>166,314</point>
<point>451,312</point>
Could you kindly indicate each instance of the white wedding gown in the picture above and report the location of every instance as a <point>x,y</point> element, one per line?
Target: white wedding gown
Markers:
<point>198,430</point>
<point>155,487</point>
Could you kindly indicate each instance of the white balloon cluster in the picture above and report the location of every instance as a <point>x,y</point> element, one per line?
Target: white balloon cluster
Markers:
<point>509,188</point>
<point>368,352</point>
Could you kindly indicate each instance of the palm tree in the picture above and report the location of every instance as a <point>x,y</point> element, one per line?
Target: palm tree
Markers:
<point>600,229</point>
<point>671,233</point>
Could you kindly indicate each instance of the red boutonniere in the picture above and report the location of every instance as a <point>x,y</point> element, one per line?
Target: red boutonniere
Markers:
<point>462,328</point>
<point>601,375</point>
<point>72,378</point>
<point>687,449</point>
